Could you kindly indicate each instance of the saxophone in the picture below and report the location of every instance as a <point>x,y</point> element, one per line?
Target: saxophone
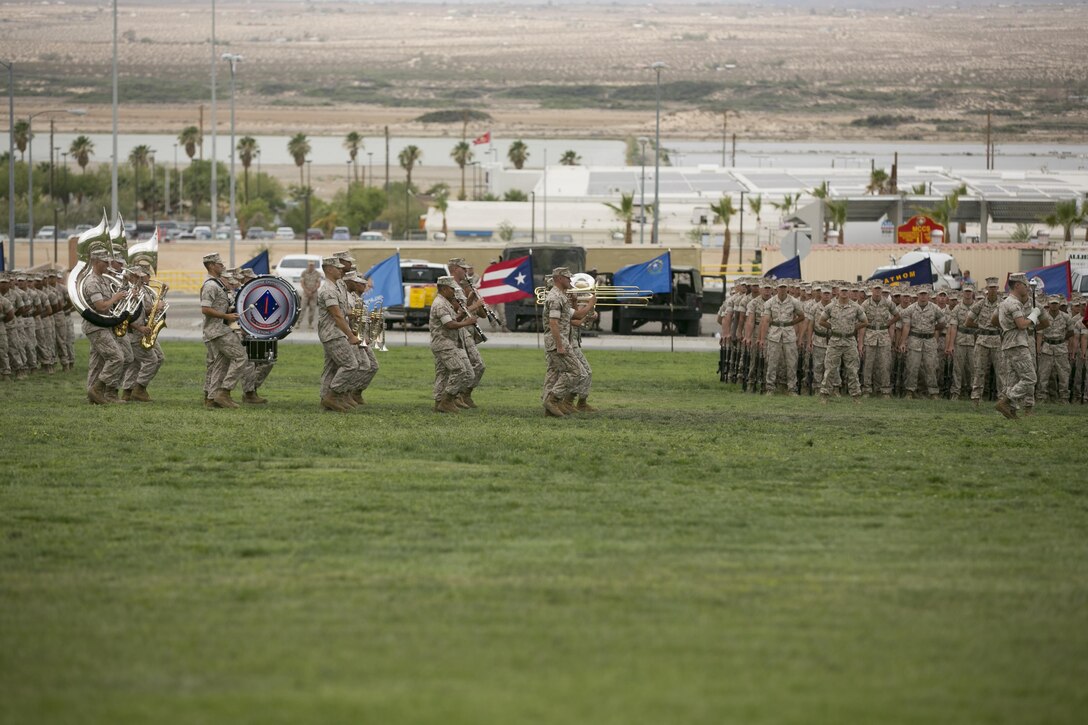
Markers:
<point>156,319</point>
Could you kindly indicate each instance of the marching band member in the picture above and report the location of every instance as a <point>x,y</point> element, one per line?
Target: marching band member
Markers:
<point>226,356</point>
<point>472,304</point>
<point>145,361</point>
<point>341,373</point>
<point>453,374</point>
<point>580,319</point>
<point>107,360</point>
<point>257,371</point>
<point>357,311</point>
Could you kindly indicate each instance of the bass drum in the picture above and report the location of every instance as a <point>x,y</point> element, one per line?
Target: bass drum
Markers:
<point>267,308</point>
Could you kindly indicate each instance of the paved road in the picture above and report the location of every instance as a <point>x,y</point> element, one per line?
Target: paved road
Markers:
<point>184,321</point>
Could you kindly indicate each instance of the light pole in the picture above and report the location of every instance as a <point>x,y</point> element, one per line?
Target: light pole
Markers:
<point>306,232</point>
<point>258,155</point>
<point>349,181</point>
<point>532,223</point>
<point>215,158</point>
<point>370,166</point>
<point>113,159</point>
<point>657,68</point>
<point>725,134</point>
<point>11,163</point>
<point>642,192</point>
<point>30,167</point>
<point>233,59</point>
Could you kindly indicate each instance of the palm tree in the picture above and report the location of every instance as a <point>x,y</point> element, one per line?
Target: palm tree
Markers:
<point>353,142</point>
<point>723,213</point>
<point>836,212</point>
<point>442,204</point>
<point>139,157</point>
<point>22,137</point>
<point>461,155</point>
<point>1065,216</point>
<point>518,154</point>
<point>81,150</point>
<point>625,212</point>
<point>190,138</point>
<point>823,193</point>
<point>247,148</point>
<point>755,203</point>
<point>788,204</point>
<point>408,157</point>
<point>299,148</point>
<point>878,182</point>
<point>570,158</point>
<point>918,189</point>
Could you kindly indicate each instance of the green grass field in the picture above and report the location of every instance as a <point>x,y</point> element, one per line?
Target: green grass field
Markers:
<point>688,555</point>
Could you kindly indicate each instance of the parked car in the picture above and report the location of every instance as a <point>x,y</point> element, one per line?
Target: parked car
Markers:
<point>372,237</point>
<point>285,233</point>
<point>420,279</point>
<point>314,233</point>
<point>46,232</point>
<point>255,233</point>
<point>341,234</point>
<point>291,267</point>
<point>202,232</point>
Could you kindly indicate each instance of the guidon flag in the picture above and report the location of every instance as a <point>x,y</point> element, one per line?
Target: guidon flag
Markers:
<point>507,281</point>
<point>479,140</point>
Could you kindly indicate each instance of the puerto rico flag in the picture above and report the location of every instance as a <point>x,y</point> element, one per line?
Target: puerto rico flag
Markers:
<point>486,138</point>
<point>507,281</point>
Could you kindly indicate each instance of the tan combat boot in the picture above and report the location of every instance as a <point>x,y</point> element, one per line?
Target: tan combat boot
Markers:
<point>330,402</point>
<point>139,394</point>
<point>564,406</point>
<point>1005,409</point>
<point>96,395</point>
<point>111,396</point>
<point>126,394</point>
<point>552,407</point>
<point>447,405</point>
<point>252,398</point>
<point>466,397</point>
<point>223,400</point>
<point>584,406</point>
<point>459,401</point>
<point>357,396</point>
<point>346,401</point>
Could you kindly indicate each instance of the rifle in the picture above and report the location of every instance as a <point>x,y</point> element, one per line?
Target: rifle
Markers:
<point>723,361</point>
<point>743,372</point>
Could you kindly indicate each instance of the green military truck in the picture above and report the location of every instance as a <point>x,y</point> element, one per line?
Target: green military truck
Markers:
<point>525,314</point>
<point>682,307</point>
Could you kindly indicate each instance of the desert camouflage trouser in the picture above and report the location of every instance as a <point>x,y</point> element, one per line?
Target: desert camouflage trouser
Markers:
<point>1054,359</point>
<point>341,373</point>
<point>878,362</point>
<point>5,364</point>
<point>564,375</point>
<point>922,358</point>
<point>45,339</point>
<point>838,352</point>
<point>368,366</point>
<point>963,366</point>
<point>107,358</point>
<point>16,360</point>
<point>475,361</point>
<point>587,372</point>
<point>453,373</point>
<point>144,366</point>
<point>1020,377</point>
<point>778,353</point>
<point>819,356</point>
<point>986,358</point>
<point>228,362</point>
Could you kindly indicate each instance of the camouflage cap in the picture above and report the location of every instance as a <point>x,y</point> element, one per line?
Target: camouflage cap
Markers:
<point>968,287</point>
<point>213,258</point>
<point>825,287</point>
<point>102,255</point>
<point>458,262</point>
<point>561,272</point>
<point>993,282</point>
<point>353,276</point>
<point>344,255</point>
<point>942,291</point>
<point>766,284</point>
<point>331,262</point>
<point>1017,277</point>
<point>445,281</point>
<point>248,273</point>
<point>783,283</point>
<point>1056,299</point>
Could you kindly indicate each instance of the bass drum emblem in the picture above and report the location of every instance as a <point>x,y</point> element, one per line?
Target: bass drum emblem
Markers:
<point>267,307</point>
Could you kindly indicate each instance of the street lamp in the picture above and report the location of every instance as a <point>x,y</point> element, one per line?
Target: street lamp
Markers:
<point>654,239</point>
<point>233,59</point>
<point>30,167</point>
<point>370,167</point>
<point>306,232</point>
<point>725,135</point>
<point>11,162</point>
<point>215,135</point>
<point>257,153</point>
<point>642,194</point>
<point>348,197</point>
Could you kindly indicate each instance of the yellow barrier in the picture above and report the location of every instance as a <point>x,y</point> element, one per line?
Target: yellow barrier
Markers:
<point>187,282</point>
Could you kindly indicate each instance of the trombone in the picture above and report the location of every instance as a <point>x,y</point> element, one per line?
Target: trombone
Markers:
<point>584,285</point>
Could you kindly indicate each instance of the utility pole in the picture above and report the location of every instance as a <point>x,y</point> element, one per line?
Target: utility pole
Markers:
<point>387,158</point>
<point>989,137</point>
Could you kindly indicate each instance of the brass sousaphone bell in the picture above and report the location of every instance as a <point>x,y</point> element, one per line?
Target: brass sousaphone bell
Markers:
<point>585,285</point>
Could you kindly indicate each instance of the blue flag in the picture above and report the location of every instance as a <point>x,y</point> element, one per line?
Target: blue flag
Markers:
<point>258,264</point>
<point>385,275</point>
<point>921,272</point>
<point>1056,278</point>
<point>654,276</point>
<point>790,269</point>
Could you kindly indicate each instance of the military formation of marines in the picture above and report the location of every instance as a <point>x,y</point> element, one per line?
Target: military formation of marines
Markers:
<point>777,336</point>
<point>36,324</point>
<point>867,340</point>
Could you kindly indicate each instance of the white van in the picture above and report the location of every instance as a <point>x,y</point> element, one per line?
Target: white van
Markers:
<point>292,266</point>
<point>285,233</point>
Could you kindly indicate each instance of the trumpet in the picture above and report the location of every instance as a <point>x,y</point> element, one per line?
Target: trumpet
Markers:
<point>361,320</point>
<point>584,285</point>
<point>376,325</point>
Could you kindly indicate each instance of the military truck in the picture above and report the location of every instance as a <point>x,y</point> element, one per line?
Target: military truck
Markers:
<point>525,314</point>
<point>682,307</point>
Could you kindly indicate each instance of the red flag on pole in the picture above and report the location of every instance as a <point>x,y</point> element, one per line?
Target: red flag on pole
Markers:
<point>486,138</point>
